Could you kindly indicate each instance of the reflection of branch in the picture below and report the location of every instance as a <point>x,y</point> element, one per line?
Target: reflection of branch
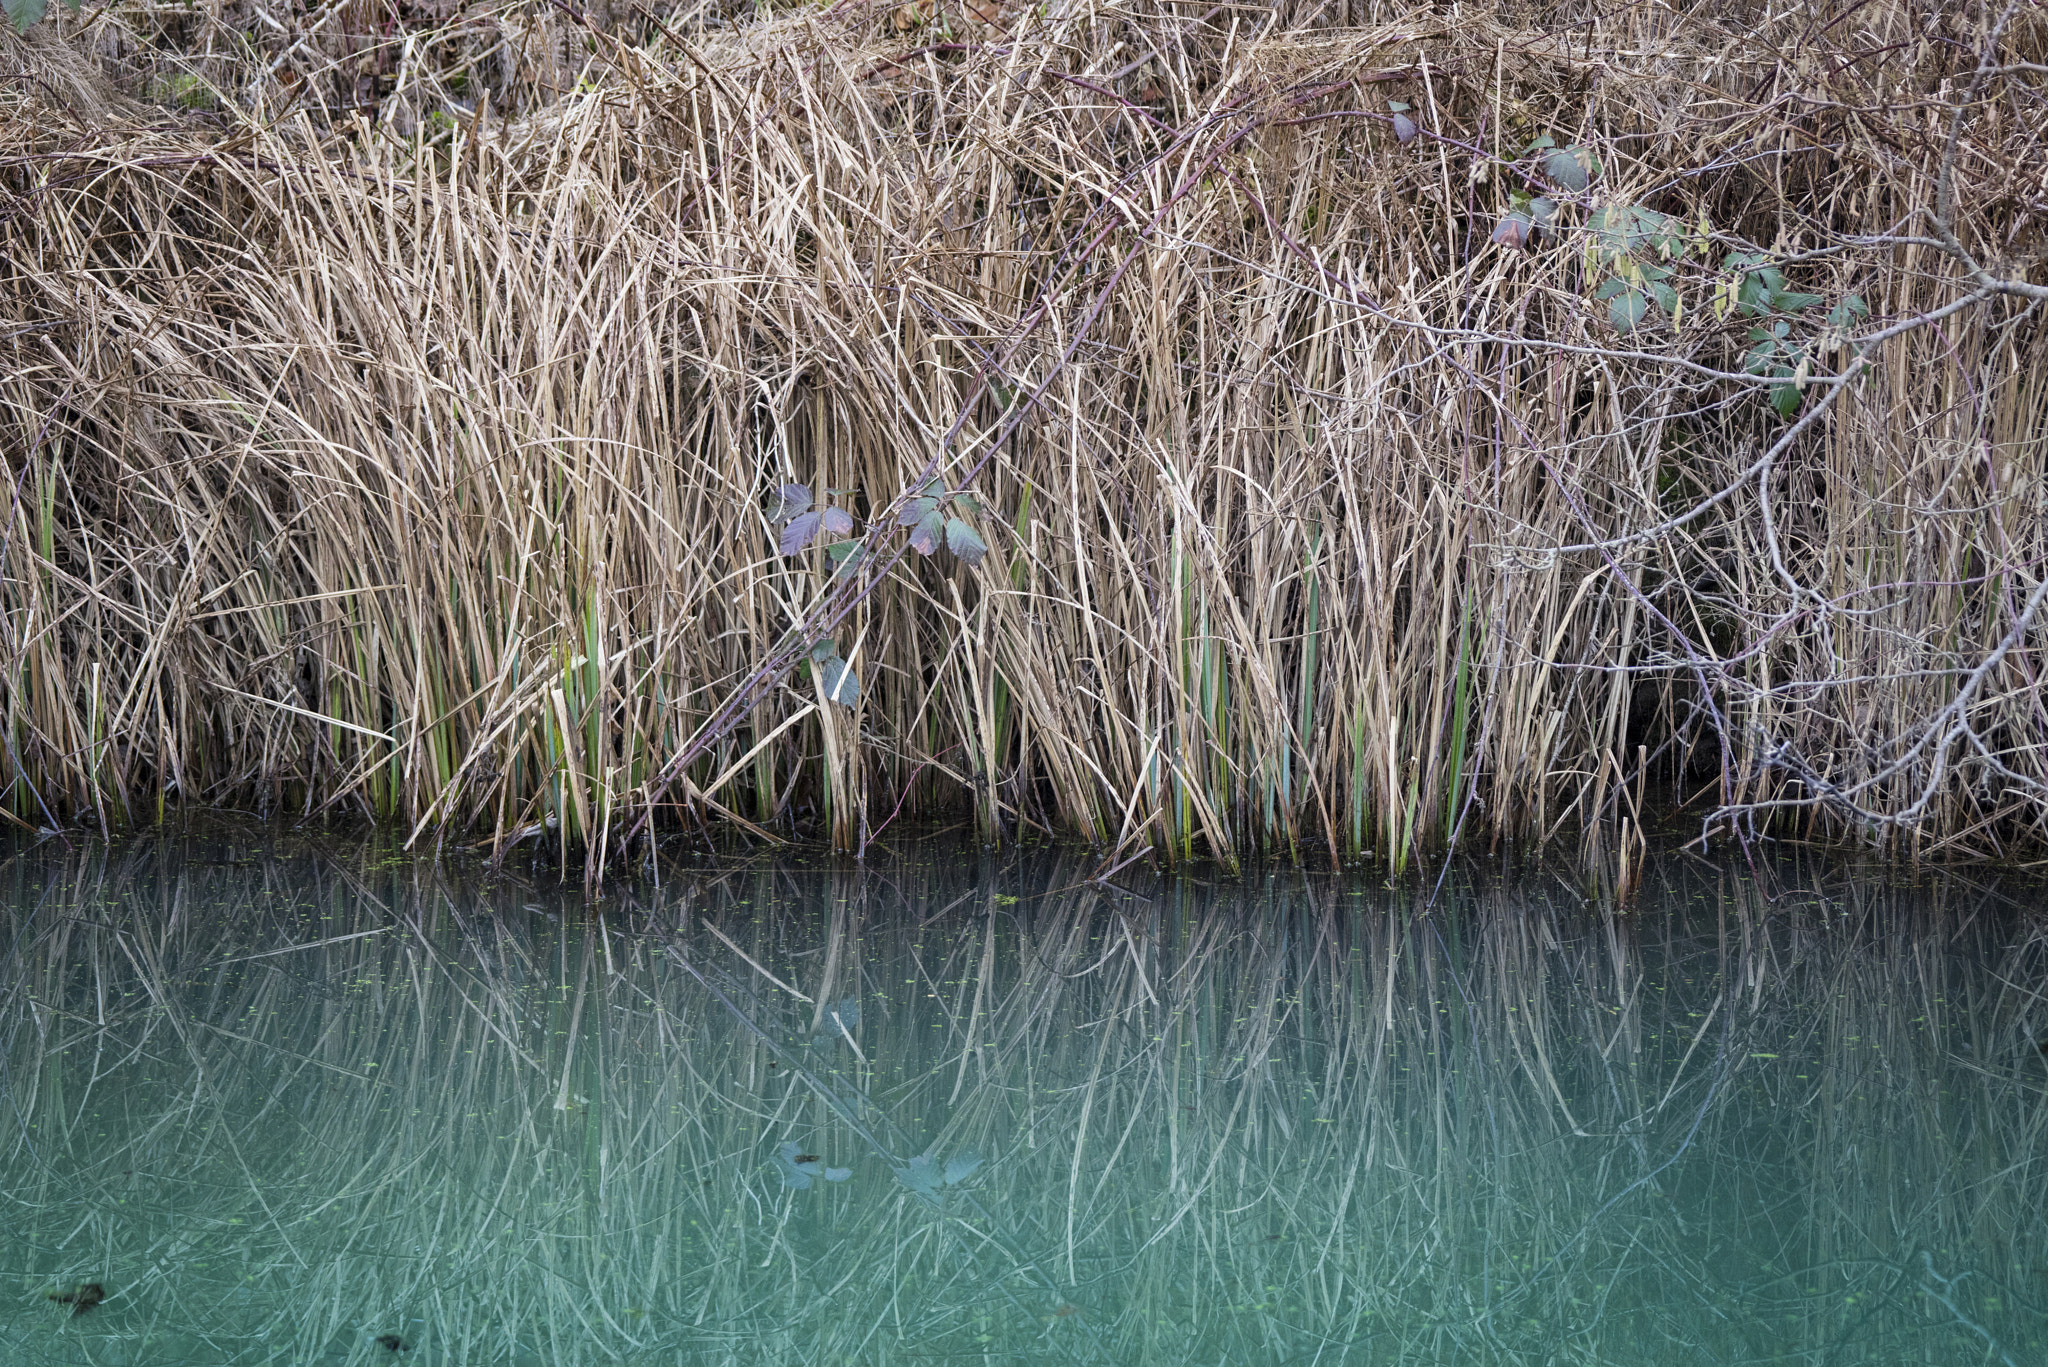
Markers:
<point>890,1143</point>
<point>1942,1289</point>
<point>1722,1061</point>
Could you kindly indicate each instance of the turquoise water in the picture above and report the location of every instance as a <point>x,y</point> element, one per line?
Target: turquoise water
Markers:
<point>278,1101</point>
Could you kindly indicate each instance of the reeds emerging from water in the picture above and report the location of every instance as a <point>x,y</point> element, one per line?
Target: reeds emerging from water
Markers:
<point>425,466</point>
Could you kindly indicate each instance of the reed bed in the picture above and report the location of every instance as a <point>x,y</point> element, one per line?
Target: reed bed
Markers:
<point>280,1104</point>
<point>396,415</point>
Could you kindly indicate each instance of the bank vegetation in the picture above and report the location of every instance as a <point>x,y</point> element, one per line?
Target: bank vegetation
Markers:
<point>1198,428</point>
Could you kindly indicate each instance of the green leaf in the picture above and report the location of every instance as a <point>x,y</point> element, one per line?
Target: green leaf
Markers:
<point>1786,398</point>
<point>964,541</point>
<point>1572,167</point>
<point>838,681</point>
<point>916,511</point>
<point>1651,231</point>
<point>1610,234</point>
<point>1755,293</point>
<point>1405,129</point>
<point>1627,309</point>
<point>1755,284</point>
<point>1851,311</point>
<point>824,650</point>
<point>835,522</point>
<point>1788,301</point>
<point>923,1177</point>
<point>25,12</point>
<point>1666,297</point>
<point>848,556</point>
<point>1757,360</point>
<point>1542,212</point>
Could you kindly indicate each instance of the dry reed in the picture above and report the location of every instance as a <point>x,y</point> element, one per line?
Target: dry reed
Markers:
<point>412,449</point>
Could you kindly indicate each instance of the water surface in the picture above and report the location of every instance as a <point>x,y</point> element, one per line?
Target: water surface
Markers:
<point>278,1100</point>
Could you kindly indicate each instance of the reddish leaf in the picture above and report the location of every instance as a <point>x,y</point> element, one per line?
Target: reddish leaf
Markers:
<point>799,533</point>
<point>791,500</point>
<point>926,538</point>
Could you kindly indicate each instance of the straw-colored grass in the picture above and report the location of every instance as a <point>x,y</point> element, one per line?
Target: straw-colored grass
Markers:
<point>422,466</point>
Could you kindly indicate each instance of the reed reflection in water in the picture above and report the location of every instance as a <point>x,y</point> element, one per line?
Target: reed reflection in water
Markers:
<point>287,1104</point>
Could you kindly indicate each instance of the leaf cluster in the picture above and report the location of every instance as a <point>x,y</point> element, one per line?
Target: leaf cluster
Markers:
<point>23,13</point>
<point>938,516</point>
<point>799,1169</point>
<point>926,1177</point>
<point>1755,288</point>
<point>1634,251</point>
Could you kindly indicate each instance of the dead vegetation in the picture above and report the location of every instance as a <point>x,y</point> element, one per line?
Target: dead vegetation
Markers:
<point>411,446</point>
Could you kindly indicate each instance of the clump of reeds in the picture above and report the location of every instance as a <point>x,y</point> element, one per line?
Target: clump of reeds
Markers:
<point>1378,432</point>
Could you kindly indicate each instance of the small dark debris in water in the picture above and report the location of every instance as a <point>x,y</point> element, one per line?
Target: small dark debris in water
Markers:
<point>807,1158</point>
<point>393,1342</point>
<point>771,1063</point>
<point>81,1299</point>
<point>2042,1044</point>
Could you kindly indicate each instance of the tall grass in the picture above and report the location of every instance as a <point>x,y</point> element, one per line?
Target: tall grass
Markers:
<point>422,465</point>
<point>278,1104</point>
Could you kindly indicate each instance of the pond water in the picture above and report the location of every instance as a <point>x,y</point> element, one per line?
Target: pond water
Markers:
<point>265,1102</point>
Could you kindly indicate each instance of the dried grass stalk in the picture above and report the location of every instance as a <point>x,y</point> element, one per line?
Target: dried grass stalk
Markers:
<point>421,463</point>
